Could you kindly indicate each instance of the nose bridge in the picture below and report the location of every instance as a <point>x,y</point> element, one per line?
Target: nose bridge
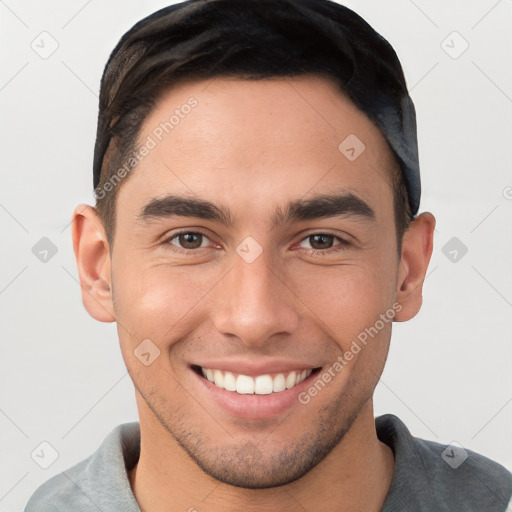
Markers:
<point>254,304</point>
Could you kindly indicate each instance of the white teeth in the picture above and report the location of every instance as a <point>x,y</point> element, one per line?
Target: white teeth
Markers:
<point>291,380</point>
<point>260,385</point>
<point>219,378</point>
<point>229,381</point>
<point>279,383</point>
<point>245,385</point>
<point>263,385</point>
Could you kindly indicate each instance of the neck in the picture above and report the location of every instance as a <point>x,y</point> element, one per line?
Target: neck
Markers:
<point>356,475</point>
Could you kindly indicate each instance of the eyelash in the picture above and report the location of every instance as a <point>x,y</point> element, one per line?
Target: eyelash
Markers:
<point>340,246</point>
<point>180,250</point>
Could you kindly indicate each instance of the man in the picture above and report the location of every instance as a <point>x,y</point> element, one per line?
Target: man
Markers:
<point>256,233</point>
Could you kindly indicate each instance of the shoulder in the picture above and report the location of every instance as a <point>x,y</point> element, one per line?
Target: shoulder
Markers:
<point>97,482</point>
<point>434,476</point>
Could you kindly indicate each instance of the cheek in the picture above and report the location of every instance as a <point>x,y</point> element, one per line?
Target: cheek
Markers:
<point>346,302</point>
<point>159,302</point>
<point>347,298</point>
<point>164,305</point>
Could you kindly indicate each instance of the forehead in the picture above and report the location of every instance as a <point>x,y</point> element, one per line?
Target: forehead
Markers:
<point>258,143</point>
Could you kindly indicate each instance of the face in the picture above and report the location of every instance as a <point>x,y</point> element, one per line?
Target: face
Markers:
<point>251,251</point>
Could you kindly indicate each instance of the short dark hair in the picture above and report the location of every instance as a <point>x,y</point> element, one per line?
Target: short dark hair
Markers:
<point>253,39</point>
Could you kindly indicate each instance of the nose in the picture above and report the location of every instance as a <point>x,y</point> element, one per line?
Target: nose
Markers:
<point>254,304</point>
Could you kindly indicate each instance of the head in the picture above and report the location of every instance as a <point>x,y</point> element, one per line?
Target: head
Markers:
<point>257,184</point>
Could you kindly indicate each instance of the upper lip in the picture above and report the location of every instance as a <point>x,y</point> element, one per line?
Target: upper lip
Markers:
<point>253,368</point>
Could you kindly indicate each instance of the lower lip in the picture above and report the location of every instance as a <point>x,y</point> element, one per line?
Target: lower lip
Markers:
<point>254,407</point>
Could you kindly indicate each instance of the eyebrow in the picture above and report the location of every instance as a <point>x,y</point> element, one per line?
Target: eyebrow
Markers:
<point>323,206</point>
<point>169,206</point>
<point>317,207</point>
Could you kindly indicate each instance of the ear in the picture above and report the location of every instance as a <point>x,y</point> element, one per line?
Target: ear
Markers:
<point>417,248</point>
<point>93,261</point>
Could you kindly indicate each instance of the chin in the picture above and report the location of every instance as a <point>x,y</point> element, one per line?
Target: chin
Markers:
<point>247,466</point>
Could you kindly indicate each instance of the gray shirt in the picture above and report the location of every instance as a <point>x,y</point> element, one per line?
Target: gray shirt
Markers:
<point>427,476</point>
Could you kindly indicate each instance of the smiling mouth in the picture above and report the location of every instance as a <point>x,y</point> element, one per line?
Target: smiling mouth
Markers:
<point>265,384</point>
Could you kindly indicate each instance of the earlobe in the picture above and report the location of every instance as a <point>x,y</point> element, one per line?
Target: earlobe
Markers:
<point>92,255</point>
<point>417,246</point>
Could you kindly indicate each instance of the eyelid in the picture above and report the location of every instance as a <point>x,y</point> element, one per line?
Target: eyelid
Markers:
<point>172,233</point>
<point>344,237</point>
<point>336,237</point>
<point>344,243</point>
<point>197,231</point>
<point>177,235</point>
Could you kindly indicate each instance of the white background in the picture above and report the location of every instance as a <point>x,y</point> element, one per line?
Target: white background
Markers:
<point>62,377</point>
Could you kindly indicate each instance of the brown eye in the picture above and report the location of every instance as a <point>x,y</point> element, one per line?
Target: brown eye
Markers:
<point>321,241</point>
<point>189,240</point>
